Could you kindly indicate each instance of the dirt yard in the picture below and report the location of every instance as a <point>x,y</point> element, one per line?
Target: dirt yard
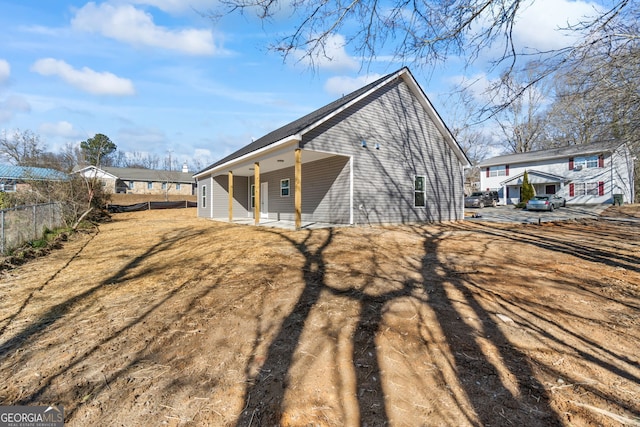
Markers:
<point>160,318</point>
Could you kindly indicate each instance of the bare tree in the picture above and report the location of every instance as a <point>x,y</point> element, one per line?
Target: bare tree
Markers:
<point>424,33</point>
<point>521,117</point>
<point>23,148</point>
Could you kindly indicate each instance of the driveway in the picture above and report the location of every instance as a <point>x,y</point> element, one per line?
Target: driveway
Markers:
<point>510,214</point>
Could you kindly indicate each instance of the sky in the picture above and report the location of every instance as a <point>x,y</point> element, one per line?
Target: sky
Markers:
<point>157,77</point>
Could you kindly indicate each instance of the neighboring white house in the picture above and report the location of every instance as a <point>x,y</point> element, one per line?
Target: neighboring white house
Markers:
<point>381,154</point>
<point>583,174</point>
<point>142,181</point>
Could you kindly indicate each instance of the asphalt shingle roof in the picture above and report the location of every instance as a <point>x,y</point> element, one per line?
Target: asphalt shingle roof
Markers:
<point>553,153</point>
<point>138,174</point>
<point>299,124</point>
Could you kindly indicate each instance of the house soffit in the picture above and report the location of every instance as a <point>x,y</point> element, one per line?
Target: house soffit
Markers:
<point>274,160</point>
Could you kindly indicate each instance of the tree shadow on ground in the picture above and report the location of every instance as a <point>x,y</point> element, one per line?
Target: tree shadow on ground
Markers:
<point>491,400</point>
<point>497,379</point>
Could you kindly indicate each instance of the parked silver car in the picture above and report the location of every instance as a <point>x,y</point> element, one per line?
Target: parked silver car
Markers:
<point>547,202</point>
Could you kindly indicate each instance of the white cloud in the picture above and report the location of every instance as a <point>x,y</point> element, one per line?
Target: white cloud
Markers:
<point>11,106</point>
<point>5,71</point>
<point>63,129</point>
<point>179,6</point>
<point>127,24</point>
<point>539,25</point>
<point>331,56</point>
<point>202,153</point>
<point>86,79</point>
<point>342,85</point>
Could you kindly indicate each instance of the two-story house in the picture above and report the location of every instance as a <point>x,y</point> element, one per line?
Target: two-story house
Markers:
<point>583,174</point>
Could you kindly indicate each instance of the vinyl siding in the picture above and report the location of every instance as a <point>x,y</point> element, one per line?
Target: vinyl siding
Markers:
<point>206,183</point>
<point>409,145</point>
<point>325,191</point>
<point>221,197</point>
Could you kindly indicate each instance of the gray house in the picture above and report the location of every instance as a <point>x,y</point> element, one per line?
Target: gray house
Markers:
<point>381,154</point>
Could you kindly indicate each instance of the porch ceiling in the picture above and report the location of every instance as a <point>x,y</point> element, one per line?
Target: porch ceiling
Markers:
<point>279,159</point>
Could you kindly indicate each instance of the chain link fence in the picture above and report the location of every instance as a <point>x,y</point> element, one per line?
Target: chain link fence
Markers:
<point>26,223</point>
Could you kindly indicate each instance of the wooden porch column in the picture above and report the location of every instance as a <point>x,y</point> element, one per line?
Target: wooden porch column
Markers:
<point>230,196</point>
<point>298,188</point>
<point>256,186</point>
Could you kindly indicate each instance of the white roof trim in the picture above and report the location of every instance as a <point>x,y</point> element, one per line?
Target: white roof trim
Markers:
<point>258,153</point>
<point>96,169</point>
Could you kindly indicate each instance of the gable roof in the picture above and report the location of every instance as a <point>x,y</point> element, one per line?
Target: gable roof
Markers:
<point>553,153</point>
<point>139,174</point>
<point>295,129</point>
<point>31,173</point>
<point>535,177</point>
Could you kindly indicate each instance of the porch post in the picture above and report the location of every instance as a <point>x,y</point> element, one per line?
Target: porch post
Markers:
<point>230,196</point>
<point>298,188</point>
<point>256,184</point>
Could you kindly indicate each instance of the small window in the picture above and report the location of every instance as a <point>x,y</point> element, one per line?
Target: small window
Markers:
<point>498,171</point>
<point>130,185</point>
<point>164,185</point>
<point>592,188</point>
<point>204,196</point>
<point>149,185</point>
<point>586,162</point>
<point>284,187</point>
<point>253,196</point>
<point>178,186</point>
<point>419,192</point>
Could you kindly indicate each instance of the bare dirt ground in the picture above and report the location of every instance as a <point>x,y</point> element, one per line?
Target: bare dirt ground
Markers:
<point>160,318</point>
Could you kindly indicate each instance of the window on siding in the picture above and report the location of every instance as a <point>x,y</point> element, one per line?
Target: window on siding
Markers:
<point>164,185</point>
<point>586,162</point>
<point>586,189</point>
<point>591,188</point>
<point>498,171</point>
<point>149,185</point>
<point>130,185</point>
<point>419,191</point>
<point>284,187</point>
<point>253,196</point>
<point>204,196</point>
<point>177,186</point>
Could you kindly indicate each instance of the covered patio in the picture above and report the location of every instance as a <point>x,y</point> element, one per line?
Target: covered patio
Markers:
<point>265,187</point>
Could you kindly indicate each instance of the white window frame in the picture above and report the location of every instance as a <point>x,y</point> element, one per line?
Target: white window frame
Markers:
<point>149,185</point>
<point>177,186</point>
<point>131,183</point>
<point>203,196</point>
<point>423,191</point>
<point>498,171</point>
<point>287,187</point>
<point>592,188</point>
<point>164,185</point>
<point>586,162</point>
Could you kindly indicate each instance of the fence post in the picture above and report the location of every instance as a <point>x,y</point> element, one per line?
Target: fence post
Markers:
<point>35,224</point>
<point>2,243</point>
